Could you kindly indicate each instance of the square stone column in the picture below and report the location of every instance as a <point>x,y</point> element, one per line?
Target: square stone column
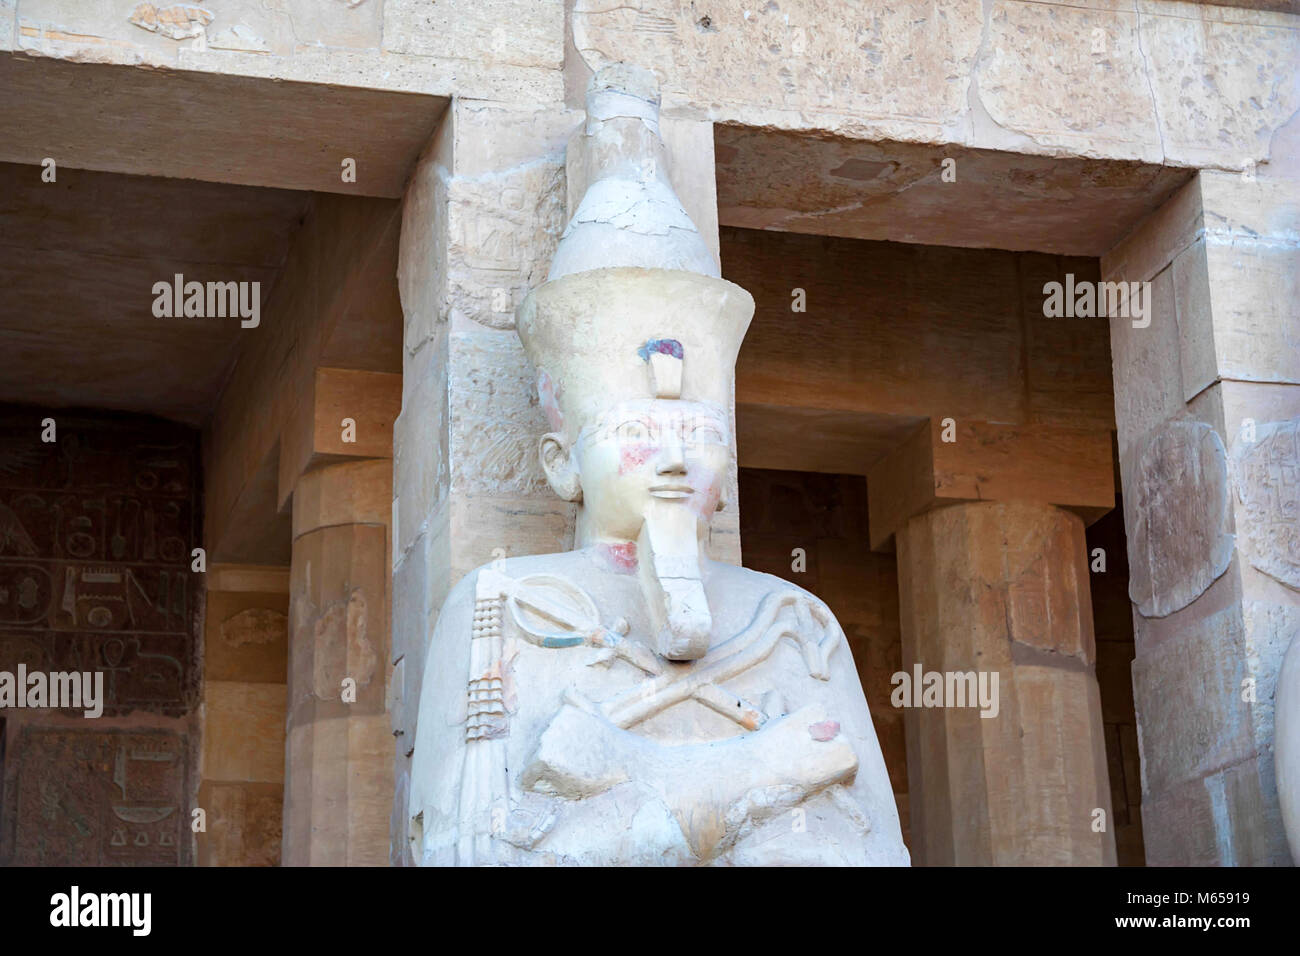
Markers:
<point>1207,402</point>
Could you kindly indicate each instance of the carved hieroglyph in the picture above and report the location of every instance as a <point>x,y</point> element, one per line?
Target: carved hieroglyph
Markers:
<point>1181,541</point>
<point>1266,479</point>
<point>108,798</point>
<point>95,537</point>
<point>632,701</point>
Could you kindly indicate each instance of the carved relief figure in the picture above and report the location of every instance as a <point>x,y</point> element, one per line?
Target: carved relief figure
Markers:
<point>632,701</point>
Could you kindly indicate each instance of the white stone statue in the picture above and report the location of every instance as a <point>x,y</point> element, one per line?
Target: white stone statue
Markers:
<point>632,701</point>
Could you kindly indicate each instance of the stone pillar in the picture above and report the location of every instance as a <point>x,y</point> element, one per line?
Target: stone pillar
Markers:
<point>1002,588</point>
<point>339,770</point>
<point>481,218</point>
<point>1207,402</point>
<point>993,579</point>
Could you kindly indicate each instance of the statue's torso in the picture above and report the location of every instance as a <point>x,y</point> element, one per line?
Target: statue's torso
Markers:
<point>584,755</point>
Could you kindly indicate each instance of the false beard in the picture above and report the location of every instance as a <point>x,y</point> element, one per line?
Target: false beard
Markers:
<point>668,549</point>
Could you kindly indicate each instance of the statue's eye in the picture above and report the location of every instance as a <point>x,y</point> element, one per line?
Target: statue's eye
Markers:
<point>632,432</point>
<point>706,434</point>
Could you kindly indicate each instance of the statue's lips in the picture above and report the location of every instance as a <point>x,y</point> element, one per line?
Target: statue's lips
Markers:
<point>672,491</point>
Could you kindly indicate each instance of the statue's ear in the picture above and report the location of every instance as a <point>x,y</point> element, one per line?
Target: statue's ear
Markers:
<point>561,470</point>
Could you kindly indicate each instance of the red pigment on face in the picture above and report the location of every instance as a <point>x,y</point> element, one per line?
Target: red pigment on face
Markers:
<point>826,730</point>
<point>621,557</point>
<point>632,457</point>
<point>546,393</point>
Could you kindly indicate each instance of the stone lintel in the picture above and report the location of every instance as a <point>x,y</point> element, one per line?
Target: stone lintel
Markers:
<point>988,461</point>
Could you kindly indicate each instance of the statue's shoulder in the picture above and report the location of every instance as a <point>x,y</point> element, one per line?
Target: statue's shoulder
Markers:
<point>756,584</point>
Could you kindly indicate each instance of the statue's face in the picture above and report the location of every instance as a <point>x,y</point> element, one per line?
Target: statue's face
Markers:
<point>647,449</point>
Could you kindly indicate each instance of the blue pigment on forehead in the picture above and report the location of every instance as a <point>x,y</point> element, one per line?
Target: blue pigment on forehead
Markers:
<point>664,346</point>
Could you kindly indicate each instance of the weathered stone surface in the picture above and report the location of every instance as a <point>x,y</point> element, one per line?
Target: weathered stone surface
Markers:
<point>521,33</point>
<point>101,798</point>
<point>1180,537</point>
<point>1266,487</point>
<point>96,530</point>
<point>950,195</point>
<point>1218,820</point>
<point>243,736</point>
<point>243,824</point>
<point>1184,740</point>
<point>496,423</point>
<point>770,63</point>
<point>1254,288</point>
<point>1003,589</point>
<point>339,618</point>
<point>339,756</point>
<point>1221,84</point>
<point>1034,60</point>
<point>246,636</point>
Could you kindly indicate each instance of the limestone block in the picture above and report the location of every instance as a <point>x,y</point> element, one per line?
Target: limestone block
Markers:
<point>527,33</point>
<point>414,612</point>
<point>243,734</point>
<point>1255,294</point>
<point>1237,207</point>
<point>1051,464</point>
<point>1180,533</point>
<point>1148,374</point>
<point>1218,820</point>
<point>135,32</point>
<point>243,824</point>
<point>770,64</point>
<point>1193,307</point>
<point>488,527</point>
<point>1189,702</point>
<point>1221,85</point>
<point>422,252</point>
<point>1266,492</point>
<point>496,419</point>
<point>1036,58</point>
<point>246,636</point>
<point>421,459</point>
<point>484,211</point>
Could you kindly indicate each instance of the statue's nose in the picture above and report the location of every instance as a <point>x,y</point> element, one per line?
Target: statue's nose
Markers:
<point>672,456</point>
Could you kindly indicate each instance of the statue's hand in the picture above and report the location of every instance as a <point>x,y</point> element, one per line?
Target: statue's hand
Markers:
<point>712,789</point>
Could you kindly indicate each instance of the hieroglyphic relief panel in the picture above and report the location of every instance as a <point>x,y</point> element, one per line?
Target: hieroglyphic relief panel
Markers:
<point>96,532</point>
<point>1266,475</point>
<point>112,798</point>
